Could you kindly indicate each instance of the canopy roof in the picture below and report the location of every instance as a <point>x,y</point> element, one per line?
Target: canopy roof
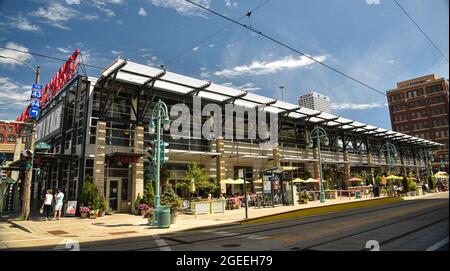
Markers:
<point>142,75</point>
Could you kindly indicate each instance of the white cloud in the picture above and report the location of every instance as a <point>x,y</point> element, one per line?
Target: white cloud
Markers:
<point>56,12</point>
<point>390,61</point>
<point>211,45</point>
<point>14,54</point>
<point>63,50</point>
<point>13,93</point>
<point>353,106</point>
<point>373,2</point>
<point>108,12</point>
<point>250,87</point>
<point>22,23</point>
<point>142,12</point>
<point>195,49</point>
<point>73,2</point>
<point>183,7</point>
<point>116,52</point>
<point>263,67</point>
<point>120,22</point>
<point>230,4</point>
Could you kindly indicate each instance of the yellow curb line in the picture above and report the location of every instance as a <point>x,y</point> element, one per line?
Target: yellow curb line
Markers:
<point>322,210</point>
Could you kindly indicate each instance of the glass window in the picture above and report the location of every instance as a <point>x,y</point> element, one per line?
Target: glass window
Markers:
<point>11,138</point>
<point>125,189</point>
<point>3,128</point>
<point>2,138</point>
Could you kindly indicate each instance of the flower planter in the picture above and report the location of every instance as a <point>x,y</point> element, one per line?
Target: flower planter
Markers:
<point>93,216</point>
<point>413,193</point>
<point>101,213</point>
<point>150,220</point>
<point>84,215</point>
<point>173,218</point>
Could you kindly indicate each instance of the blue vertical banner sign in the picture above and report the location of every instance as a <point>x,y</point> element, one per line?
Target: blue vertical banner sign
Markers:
<point>35,101</point>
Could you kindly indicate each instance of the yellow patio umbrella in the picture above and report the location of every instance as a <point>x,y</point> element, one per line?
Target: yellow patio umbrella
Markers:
<point>228,181</point>
<point>441,174</point>
<point>192,187</point>
<point>298,180</point>
<point>258,181</point>
<point>311,180</point>
<point>238,181</point>
<point>393,177</point>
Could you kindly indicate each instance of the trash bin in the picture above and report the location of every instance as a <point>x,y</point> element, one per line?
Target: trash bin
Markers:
<point>162,217</point>
<point>357,194</point>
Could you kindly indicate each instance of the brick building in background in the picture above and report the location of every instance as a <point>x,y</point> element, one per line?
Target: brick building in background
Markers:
<point>419,107</point>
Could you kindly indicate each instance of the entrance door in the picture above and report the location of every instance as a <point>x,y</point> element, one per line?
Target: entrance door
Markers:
<point>114,195</point>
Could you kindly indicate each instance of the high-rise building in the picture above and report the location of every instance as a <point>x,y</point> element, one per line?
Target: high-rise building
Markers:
<point>419,107</point>
<point>314,100</point>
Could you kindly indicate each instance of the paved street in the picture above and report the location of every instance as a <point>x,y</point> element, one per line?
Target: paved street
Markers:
<point>414,224</point>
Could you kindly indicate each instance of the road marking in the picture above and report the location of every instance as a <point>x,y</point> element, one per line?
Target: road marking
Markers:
<point>2,246</point>
<point>163,246</point>
<point>227,233</point>
<point>438,245</point>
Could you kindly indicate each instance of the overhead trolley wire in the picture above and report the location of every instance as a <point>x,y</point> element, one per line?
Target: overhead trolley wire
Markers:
<point>212,34</point>
<point>49,57</point>
<point>288,47</point>
<point>421,30</point>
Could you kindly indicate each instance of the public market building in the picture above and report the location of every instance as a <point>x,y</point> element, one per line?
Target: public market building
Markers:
<point>99,126</point>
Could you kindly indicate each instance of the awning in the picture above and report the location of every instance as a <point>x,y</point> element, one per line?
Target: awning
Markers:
<point>126,154</point>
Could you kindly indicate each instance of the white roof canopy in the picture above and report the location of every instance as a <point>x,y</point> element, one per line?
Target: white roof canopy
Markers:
<point>138,74</point>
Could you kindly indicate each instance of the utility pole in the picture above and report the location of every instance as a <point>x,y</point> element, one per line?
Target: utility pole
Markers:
<point>30,136</point>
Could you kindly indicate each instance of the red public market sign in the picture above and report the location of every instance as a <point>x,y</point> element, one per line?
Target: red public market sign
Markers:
<point>64,75</point>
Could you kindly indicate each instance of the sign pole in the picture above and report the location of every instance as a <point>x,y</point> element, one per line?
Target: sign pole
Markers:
<point>29,171</point>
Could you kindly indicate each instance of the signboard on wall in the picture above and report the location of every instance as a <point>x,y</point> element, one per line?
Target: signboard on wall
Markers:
<point>49,124</point>
<point>71,208</point>
<point>267,184</point>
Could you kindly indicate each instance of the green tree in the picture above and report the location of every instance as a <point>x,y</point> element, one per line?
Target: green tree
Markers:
<point>378,180</point>
<point>431,182</point>
<point>149,193</point>
<point>201,179</point>
<point>89,194</point>
<point>170,198</point>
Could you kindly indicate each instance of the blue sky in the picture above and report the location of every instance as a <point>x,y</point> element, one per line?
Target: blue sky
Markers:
<point>371,40</point>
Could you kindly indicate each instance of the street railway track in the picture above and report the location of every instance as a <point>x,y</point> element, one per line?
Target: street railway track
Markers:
<point>274,223</point>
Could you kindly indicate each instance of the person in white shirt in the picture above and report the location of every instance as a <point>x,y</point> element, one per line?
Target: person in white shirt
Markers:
<point>58,204</point>
<point>48,200</point>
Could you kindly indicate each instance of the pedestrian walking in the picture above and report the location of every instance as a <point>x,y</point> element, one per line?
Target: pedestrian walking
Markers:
<point>47,205</point>
<point>58,204</point>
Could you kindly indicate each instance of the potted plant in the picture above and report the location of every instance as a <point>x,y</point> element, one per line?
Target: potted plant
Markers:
<point>137,202</point>
<point>150,215</point>
<point>170,198</point>
<point>143,208</point>
<point>303,198</point>
<point>93,214</point>
<point>102,207</point>
<point>84,212</point>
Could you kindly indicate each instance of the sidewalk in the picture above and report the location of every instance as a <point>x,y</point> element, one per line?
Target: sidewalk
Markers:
<point>127,225</point>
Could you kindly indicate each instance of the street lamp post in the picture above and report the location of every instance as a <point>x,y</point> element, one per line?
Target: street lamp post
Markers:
<point>319,134</point>
<point>161,114</point>
<point>30,143</point>
<point>390,149</point>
